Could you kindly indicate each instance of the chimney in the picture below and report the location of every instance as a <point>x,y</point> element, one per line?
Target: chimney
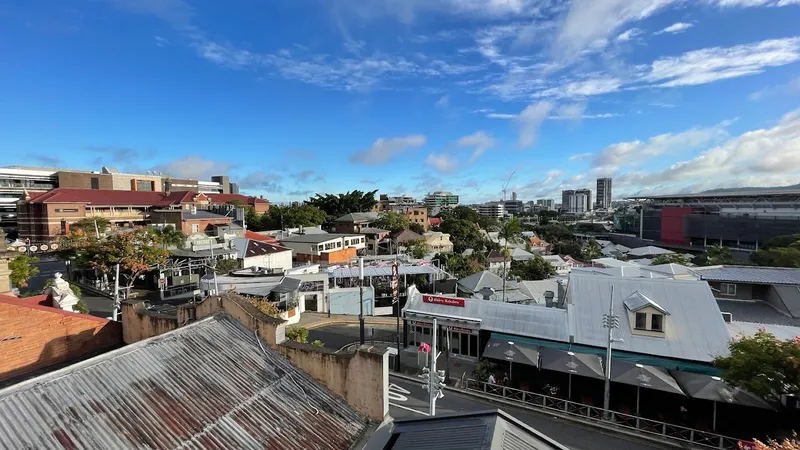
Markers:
<point>548,298</point>
<point>562,293</point>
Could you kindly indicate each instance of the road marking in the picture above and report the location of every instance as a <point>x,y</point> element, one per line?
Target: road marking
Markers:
<point>409,409</point>
<point>396,393</point>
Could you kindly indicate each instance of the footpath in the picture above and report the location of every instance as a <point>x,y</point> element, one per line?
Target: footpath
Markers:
<point>312,320</point>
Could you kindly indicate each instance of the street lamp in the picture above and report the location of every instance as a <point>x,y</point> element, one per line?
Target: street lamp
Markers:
<point>572,367</point>
<point>510,357</point>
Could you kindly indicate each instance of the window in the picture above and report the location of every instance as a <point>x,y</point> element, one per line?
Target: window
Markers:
<point>144,185</point>
<point>67,210</point>
<point>727,288</point>
<point>339,244</point>
<point>320,248</point>
<point>95,183</point>
<point>656,322</point>
<point>641,321</point>
<point>195,228</point>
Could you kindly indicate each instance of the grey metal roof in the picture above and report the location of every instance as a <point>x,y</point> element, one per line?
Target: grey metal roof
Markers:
<point>671,269</point>
<point>536,289</point>
<point>694,329</point>
<point>649,251</point>
<point>483,430</point>
<point>246,248</point>
<point>480,280</point>
<point>370,230</point>
<point>380,271</point>
<point>749,274</point>
<point>316,238</point>
<point>759,312</point>
<point>782,332</point>
<point>637,301</point>
<point>621,271</point>
<point>612,262</point>
<point>187,253</point>
<point>210,384</point>
<point>287,284</point>
<point>510,318</point>
<point>200,214</point>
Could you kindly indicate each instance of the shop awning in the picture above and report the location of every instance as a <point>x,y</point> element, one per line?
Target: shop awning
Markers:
<point>714,389</point>
<point>443,319</point>
<point>505,350</point>
<point>644,376</point>
<point>571,362</point>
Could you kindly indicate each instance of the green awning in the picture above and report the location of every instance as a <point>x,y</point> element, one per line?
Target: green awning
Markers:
<point>634,358</point>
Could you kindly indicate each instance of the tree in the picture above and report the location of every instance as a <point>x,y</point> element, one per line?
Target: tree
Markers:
<point>297,334</point>
<point>224,266</point>
<point>781,241</point>
<point>237,203</point>
<point>253,220</point>
<point>533,269</point>
<point>391,221</point>
<point>416,228</point>
<point>463,234</point>
<point>87,224</point>
<point>671,258</point>
<point>417,248</point>
<point>458,265</point>
<point>510,233</point>
<point>571,248</point>
<point>23,268</point>
<point>771,444</point>
<point>763,365</point>
<point>170,237</point>
<point>718,254</point>
<point>546,216</point>
<point>555,232</point>
<point>592,251</point>
<point>295,216</point>
<point>350,202</point>
<point>460,213</point>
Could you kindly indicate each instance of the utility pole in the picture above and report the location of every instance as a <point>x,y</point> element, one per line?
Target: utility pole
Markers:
<point>396,301</point>
<point>116,294</point>
<point>434,379</point>
<point>361,301</point>
<point>610,321</point>
<point>213,270</point>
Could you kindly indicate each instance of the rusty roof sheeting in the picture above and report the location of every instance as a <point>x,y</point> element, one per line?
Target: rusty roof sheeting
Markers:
<point>208,385</point>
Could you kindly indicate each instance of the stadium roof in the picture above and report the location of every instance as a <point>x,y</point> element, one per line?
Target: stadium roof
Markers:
<point>744,192</point>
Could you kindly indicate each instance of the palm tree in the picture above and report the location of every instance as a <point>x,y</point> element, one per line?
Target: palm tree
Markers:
<point>592,251</point>
<point>510,232</point>
<point>171,237</point>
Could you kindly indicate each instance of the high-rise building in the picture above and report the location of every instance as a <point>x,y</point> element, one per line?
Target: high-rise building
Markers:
<point>547,204</point>
<point>514,196</point>
<point>588,194</point>
<point>603,193</point>
<point>440,198</point>
<point>565,196</point>
<point>495,210</point>
<point>576,201</point>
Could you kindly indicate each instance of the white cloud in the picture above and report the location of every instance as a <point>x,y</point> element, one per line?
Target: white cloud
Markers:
<point>752,3</point>
<point>161,42</point>
<point>634,152</point>
<point>500,116</point>
<point>529,120</point>
<point>590,23</point>
<point>718,63</point>
<point>570,111</point>
<point>790,88</point>
<point>675,28</point>
<point>581,156</point>
<point>442,163</point>
<point>443,102</point>
<point>384,149</point>
<point>194,167</point>
<point>478,140</point>
<point>629,34</point>
<point>584,88</point>
<point>261,181</point>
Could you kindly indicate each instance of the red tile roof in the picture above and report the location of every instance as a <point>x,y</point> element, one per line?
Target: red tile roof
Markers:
<point>225,198</point>
<point>252,235</point>
<point>434,221</point>
<point>99,197</point>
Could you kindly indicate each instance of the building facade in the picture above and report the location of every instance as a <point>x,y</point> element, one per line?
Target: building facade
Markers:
<point>325,248</point>
<point>546,204</point>
<point>577,201</point>
<point>494,210</point>
<point>603,193</point>
<point>441,199</point>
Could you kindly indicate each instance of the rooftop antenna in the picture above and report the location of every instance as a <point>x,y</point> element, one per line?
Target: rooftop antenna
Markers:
<point>505,186</point>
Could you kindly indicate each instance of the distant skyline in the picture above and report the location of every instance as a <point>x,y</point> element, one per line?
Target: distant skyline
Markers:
<point>294,97</point>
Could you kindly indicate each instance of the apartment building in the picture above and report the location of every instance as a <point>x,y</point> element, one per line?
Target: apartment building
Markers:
<point>603,193</point>
<point>577,201</point>
<point>546,204</point>
<point>390,203</point>
<point>440,199</point>
<point>494,210</point>
<point>324,248</point>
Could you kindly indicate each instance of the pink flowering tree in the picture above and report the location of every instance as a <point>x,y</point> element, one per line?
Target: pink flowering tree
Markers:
<point>763,365</point>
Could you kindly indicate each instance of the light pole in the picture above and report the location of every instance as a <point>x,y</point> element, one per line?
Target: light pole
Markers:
<point>361,302</point>
<point>510,357</point>
<point>610,322</point>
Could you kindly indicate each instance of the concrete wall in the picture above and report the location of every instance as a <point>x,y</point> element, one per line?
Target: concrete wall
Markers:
<point>138,324</point>
<point>38,336</point>
<point>345,301</point>
<point>280,260</point>
<point>362,379</point>
<point>743,291</point>
<point>83,180</point>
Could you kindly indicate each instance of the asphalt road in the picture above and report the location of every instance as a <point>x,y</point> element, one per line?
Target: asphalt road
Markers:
<point>337,336</point>
<point>98,306</point>
<point>409,400</point>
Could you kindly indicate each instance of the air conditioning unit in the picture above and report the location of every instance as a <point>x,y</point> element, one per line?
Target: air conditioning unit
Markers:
<point>727,317</point>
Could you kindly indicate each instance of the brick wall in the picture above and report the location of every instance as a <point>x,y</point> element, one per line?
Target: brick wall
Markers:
<point>33,337</point>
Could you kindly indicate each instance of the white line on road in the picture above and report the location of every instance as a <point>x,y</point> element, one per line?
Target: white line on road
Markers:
<point>409,409</point>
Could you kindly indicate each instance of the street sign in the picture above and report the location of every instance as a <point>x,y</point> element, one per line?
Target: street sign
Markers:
<point>34,248</point>
<point>22,249</point>
<point>54,246</point>
<point>44,247</point>
<point>395,281</point>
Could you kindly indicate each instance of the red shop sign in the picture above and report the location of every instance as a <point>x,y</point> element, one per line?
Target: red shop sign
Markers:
<point>450,301</point>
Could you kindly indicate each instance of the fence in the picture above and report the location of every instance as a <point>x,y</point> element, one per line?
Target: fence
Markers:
<point>593,413</point>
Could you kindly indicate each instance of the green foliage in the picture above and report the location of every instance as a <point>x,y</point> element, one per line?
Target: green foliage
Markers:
<point>391,221</point>
<point>171,237</point>
<point>718,254</point>
<point>763,365</point>
<point>417,249</point>
<point>511,230</point>
<point>76,291</point>
<point>416,228</point>
<point>235,203</point>
<point>297,334</point>
<point>781,241</point>
<point>80,308</point>
<point>459,265</point>
<point>464,234</point>
<point>671,258</point>
<point>87,225</point>
<point>589,228</point>
<point>22,269</point>
<point>337,205</point>
<point>554,232</point>
<point>317,343</point>
<point>782,251</point>
<point>483,370</point>
<point>460,213</point>
<point>545,217</point>
<point>571,248</point>
<point>296,216</point>
<point>225,266</point>
<point>266,307</point>
<point>533,269</point>
<point>253,220</point>
<point>592,251</point>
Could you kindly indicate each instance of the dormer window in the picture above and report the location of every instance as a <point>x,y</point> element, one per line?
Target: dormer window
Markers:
<point>646,316</point>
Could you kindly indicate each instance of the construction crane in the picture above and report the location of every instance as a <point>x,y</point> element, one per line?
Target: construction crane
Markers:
<point>505,186</point>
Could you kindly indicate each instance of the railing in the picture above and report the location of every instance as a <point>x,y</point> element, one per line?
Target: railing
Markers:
<point>631,422</point>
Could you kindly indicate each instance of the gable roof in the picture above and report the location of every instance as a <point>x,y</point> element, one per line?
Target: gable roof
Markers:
<point>555,259</point>
<point>259,237</point>
<point>480,280</point>
<point>406,236</point>
<point>649,251</point>
<point>102,197</point>
<point>638,301</point>
<point>210,383</point>
<point>695,330</point>
<point>245,248</point>
<point>245,199</point>
<point>434,221</point>
<point>750,274</point>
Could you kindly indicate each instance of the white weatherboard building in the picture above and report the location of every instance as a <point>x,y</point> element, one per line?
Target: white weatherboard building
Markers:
<point>272,257</point>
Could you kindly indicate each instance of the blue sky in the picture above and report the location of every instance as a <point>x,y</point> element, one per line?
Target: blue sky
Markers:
<point>292,97</point>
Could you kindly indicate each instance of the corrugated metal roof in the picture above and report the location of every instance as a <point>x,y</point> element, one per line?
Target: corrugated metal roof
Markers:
<point>536,289</point>
<point>637,301</point>
<point>522,320</point>
<point>758,275</point>
<point>782,332</point>
<point>694,330</point>
<point>612,262</point>
<point>649,250</point>
<point>208,385</point>
<point>381,271</point>
<point>756,312</point>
